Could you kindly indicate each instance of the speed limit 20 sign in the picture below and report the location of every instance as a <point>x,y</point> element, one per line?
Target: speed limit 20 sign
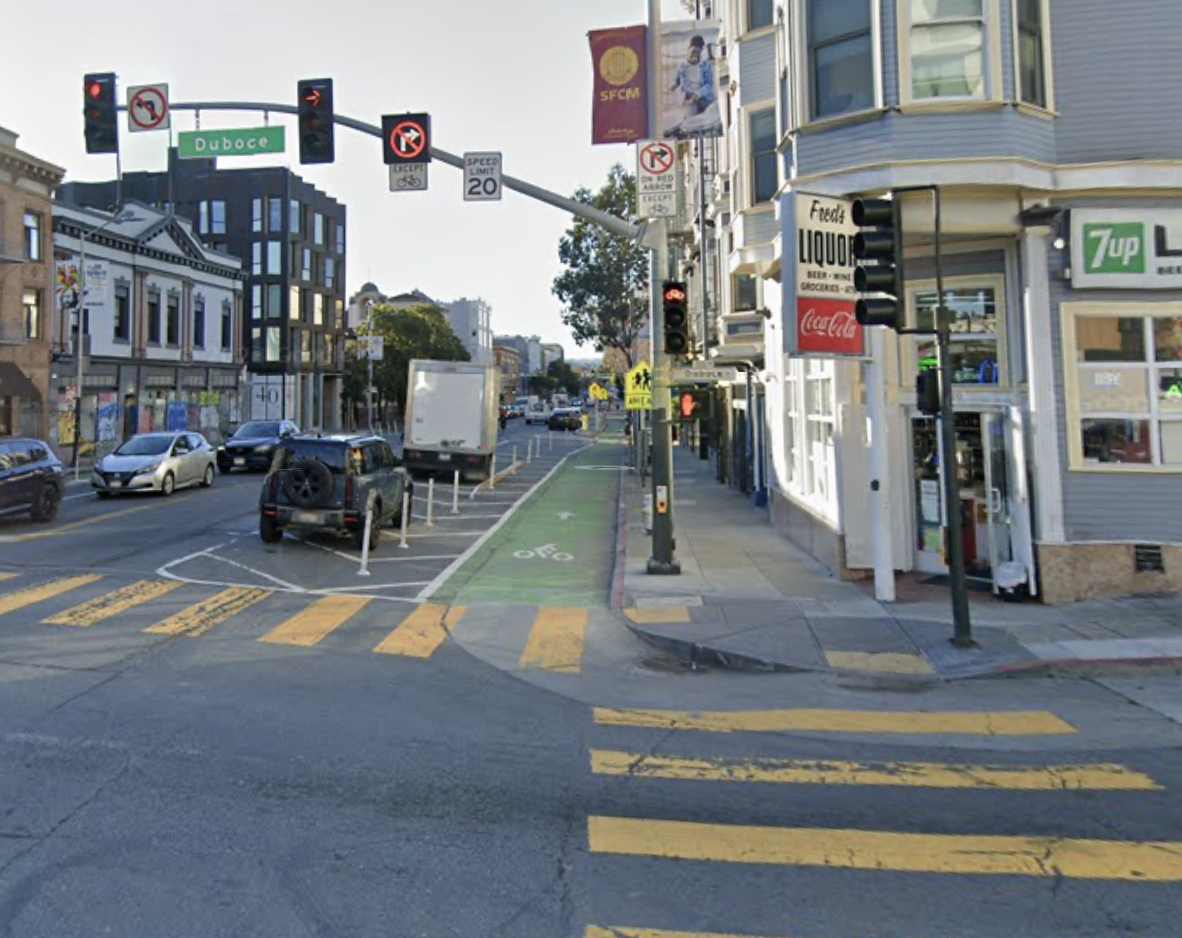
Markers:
<point>482,177</point>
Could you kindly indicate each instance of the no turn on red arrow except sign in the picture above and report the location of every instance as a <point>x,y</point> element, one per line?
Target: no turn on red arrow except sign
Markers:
<point>656,178</point>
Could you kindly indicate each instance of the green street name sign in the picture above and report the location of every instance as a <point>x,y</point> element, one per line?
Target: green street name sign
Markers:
<point>252,142</point>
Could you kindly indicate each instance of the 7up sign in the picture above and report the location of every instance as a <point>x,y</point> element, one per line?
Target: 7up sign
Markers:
<point>1138,249</point>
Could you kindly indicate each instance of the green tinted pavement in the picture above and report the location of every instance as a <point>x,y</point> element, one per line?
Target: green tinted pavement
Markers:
<point>558,548</point>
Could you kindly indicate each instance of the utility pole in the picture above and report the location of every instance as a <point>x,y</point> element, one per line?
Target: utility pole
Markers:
<point>663,561</point>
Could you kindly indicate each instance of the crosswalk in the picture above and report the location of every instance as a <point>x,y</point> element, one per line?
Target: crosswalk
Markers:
<point>555,641</point>
<point>690,754</point>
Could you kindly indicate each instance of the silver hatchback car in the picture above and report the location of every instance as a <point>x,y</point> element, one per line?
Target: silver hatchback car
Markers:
<point>156,462</point>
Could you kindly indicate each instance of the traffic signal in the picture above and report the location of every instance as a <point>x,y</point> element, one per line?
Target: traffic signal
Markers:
<point>316,126</point>
<point>881,241</point>
<point>100,113</point>
<point>927,392</point>
<point>673,302</point>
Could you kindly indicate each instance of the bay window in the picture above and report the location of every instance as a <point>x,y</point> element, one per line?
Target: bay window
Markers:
<point>947,48</point>
<point>1124,384</point>
<point>1030,17</point>
<point>840,57</point>
<point>764,178</point>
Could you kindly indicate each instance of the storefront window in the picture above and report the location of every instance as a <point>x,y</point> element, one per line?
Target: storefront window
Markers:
<point>978,321</point>
<point>819,410</point>
<point>1124,384</point>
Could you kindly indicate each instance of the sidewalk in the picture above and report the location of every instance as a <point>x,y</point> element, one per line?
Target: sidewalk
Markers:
<point>748,598</point>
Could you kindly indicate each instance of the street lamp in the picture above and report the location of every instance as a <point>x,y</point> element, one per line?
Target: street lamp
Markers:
<point>120,217</point>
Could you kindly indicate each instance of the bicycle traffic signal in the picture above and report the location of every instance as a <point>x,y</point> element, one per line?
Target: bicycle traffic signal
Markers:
<point>673,303</point>
<point>881,241</point>
<point>100,115</point>
<point>316,125</point>
<point>927,392</point>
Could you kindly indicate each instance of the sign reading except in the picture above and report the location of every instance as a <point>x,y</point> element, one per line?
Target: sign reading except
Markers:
<point>656,178</point>
<point>408,177</point>
<point>147,108</point>
<point>255,141</point>
<point>1137,249</point>
<point>638,388</point>
<point>819,285</point>
<point>482,177</point>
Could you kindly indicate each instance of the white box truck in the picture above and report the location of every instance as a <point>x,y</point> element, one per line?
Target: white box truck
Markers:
<point>452,411</point>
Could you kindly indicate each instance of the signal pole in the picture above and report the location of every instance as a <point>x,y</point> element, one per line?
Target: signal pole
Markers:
<point>663,561</point>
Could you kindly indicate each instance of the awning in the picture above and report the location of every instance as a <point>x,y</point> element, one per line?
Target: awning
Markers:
<point>15,383</point>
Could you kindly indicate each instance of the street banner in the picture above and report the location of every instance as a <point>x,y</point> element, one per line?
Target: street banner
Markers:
<point>687,80</point>
<point>619,112</point>
<point>819,282</point>
<point>68,285</point>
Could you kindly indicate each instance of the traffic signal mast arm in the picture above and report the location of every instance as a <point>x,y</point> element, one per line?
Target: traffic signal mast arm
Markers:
<point>615,225</point>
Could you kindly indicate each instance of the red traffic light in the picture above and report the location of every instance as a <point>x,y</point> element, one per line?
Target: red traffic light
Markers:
<point>674,295</point>
<point>312,96</point>
<point>94,89</point>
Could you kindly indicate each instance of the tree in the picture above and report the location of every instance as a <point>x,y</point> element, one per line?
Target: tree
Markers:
<point>420,331</point>
<point>604,286</point>
<point>565,378</point>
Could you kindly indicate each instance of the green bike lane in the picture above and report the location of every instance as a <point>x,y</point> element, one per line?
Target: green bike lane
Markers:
<point>558,548</point>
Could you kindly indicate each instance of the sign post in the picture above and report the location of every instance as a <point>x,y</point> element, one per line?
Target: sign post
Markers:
<point>656,178</point>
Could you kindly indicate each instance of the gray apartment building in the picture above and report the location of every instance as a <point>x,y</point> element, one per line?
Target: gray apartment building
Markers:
<point>1061,207</point>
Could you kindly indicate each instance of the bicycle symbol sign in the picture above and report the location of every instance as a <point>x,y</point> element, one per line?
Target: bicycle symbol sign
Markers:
<point>545,552</point>
<point>408,177</point>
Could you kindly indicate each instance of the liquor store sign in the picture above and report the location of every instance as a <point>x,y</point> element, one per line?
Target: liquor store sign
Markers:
<point>254,141</point>
<point>1130,249</point>
<point>820,286</point>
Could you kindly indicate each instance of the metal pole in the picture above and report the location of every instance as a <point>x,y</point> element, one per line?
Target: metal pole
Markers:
<point>662,561</point>
<point>455,493</point>
<point>962,634</point>
<point>369,364</point>
<point>514,462</point>
<point>431,502</point>
<point>880,516</point>
<point>80,368</point>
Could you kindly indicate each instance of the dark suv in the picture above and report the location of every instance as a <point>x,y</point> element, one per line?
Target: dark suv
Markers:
<point>324,483</point>
<point>30,479</point>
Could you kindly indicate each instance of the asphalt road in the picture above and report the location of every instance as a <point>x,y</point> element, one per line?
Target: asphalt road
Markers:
<point>176,762</point>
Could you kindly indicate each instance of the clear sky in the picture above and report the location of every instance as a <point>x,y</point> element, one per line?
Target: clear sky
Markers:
<point>513,76</point>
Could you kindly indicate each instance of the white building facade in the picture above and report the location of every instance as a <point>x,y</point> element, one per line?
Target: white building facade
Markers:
<point>471,321</point>
<point>163,324</point>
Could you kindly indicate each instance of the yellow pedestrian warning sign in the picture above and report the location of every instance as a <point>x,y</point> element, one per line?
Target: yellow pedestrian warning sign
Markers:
<point>638,388</point>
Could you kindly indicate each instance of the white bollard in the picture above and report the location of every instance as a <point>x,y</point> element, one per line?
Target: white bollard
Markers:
<point>514,463</point>
<point>550,448</point>
<point>529,451</point>
<point>431,502</point>
<point>364,569</point>
<point>406,510</point>
<point>455,494</point>
<point>492,473</point>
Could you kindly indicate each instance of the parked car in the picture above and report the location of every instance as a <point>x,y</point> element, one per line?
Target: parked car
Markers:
<point>30,479</point>
<point>155,462</point>
<point>566,418</point>
<point>324,483</point>
<point>253,444</point>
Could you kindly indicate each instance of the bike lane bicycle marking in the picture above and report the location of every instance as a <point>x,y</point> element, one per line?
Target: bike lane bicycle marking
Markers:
<point>541,558</point>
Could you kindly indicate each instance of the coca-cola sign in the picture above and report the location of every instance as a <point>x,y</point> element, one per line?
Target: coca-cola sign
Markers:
<point>821,283</point>
<point>828,327</point>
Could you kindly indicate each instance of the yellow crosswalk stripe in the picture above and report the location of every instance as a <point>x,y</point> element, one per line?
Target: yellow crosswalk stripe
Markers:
<point>889,662</point>
<point>203,616</point>
<point>1098,777</point>
<point>310,625</point>
<point>1051,857</point>
<point>556,640</point>
<point>104,607</point>
<point>659,615</point>
<point>423,631</point>
<point>7,576</point>
<point>618,931</point>
<point>1005,723</point>
<point>35,594</point>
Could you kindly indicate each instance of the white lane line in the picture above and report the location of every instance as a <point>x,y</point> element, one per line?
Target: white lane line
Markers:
<point>455,565</point>
<point>413,559</point>
<point>259,573</point>
<point>459,517</point>
<point>379,586</point>
<point>447,534</point>
<point>70,498</point>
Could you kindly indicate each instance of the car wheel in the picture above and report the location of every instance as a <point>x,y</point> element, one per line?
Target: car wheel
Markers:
<point>168,486</point>
<point>47,505</point>
<point>207,479</point>
<point>269,530</point>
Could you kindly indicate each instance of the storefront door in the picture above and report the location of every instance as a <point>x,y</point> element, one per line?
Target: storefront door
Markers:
<point>983,479</point>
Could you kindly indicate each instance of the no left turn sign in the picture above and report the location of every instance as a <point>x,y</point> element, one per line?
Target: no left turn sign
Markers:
<point>147,108</point>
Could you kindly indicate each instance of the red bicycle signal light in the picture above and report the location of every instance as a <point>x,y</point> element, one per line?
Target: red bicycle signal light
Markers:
<point>674,295</point>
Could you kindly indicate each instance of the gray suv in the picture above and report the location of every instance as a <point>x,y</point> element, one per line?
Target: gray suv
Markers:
<point>324,483</point>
